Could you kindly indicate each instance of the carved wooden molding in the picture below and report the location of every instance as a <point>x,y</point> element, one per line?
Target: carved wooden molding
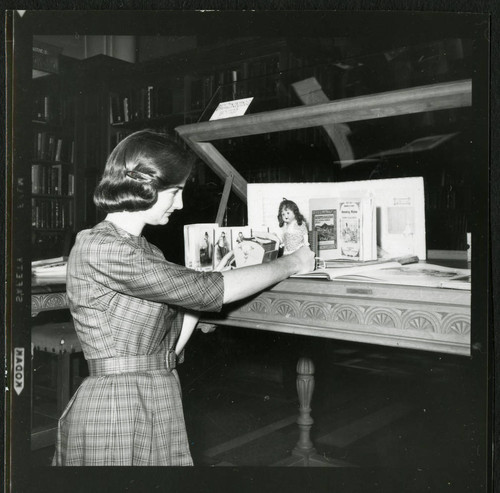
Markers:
<point>419,318</point>
<point>48,301</point>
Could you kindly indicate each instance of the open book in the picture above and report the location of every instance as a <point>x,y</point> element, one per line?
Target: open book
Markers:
<point>417,274</point>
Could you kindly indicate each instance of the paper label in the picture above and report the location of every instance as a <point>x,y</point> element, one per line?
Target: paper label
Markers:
<point>228,109</point>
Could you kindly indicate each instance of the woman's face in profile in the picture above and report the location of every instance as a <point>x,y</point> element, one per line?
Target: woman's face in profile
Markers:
<point>168,201</point>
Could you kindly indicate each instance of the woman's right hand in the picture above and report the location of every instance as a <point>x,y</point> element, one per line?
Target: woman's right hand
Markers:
<point>245,281</point>
<point>304,260</point>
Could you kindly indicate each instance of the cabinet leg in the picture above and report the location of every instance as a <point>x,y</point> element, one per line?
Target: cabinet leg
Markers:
<point>305,389</point>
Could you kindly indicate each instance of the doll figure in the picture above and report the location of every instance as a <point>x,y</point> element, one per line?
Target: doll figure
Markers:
<point>294,233</point>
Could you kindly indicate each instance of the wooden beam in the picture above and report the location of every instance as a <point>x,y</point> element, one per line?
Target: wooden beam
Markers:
<point>223,201</point>
<point>388,104</point>
<point>220,166</point>
<point>402,102</point>
<point>310,92</point>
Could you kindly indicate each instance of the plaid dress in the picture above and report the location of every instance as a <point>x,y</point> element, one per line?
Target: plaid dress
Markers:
<point>127,300</point>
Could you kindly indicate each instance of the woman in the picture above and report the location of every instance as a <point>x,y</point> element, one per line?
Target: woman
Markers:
<point>128,307</point>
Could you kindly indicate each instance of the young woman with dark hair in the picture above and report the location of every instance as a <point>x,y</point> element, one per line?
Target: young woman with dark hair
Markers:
<point>130,305</point>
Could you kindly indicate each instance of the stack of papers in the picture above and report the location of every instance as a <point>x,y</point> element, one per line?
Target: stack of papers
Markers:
<point>55,268</point>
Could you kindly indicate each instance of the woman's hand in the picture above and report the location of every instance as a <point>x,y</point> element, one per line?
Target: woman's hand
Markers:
<point>245,281</point>
<point>304,258</point>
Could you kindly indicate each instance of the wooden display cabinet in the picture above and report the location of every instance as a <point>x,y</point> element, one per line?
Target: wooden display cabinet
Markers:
<point>432,319</point>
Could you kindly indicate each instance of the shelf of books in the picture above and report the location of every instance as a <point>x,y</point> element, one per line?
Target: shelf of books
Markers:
<point>149,100</point>
<point>52,167</point>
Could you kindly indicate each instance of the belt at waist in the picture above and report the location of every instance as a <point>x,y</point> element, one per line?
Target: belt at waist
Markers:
<point>129,364</point>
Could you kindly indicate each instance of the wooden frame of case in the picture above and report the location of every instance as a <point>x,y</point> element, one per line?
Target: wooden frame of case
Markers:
<point>198,136</point>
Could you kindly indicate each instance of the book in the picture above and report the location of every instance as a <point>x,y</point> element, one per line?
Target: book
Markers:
<point>346,227</point>
<point>199,245</point>
<point>324,221</point>
<point>52,271</point>
<point>48,261</point>
<point>36,180</point>
<point>209,247</point>
<point>53,268</point>
<point>58,152</point>
<point>398,207</point>
<point>393,272</point>
<point>56,179</point>
<point>222,240</point>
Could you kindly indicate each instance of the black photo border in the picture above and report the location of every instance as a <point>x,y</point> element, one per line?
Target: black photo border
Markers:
<point>269,18</point>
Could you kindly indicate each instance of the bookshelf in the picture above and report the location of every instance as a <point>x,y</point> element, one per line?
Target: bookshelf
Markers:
<point>52,167</point>
<point>117,98</point>
<point>70,134</point>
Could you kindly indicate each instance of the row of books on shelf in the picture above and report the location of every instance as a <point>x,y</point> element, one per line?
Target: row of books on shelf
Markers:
<point>49,147</point>
<point>46,109</point>
<point>260,79</point>
<point>152,101</point>
<point>202,90</point>
<point>263,76</point>
<point>50,108</point>
<point>52,179</point>
<point>51,214</point>
<point>117,137</point>
<point>256,78</point>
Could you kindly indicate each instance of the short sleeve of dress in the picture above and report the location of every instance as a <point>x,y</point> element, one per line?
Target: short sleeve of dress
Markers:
<point>135,268</point>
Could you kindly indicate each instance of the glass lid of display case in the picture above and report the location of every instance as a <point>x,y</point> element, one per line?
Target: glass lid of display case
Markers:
<point>396,114</point>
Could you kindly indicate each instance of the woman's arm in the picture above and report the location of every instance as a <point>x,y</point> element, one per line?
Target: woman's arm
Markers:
<point>188,324</point>
<point>243,282</point>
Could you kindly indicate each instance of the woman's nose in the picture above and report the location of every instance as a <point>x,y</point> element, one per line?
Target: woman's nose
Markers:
<point>178,204</point>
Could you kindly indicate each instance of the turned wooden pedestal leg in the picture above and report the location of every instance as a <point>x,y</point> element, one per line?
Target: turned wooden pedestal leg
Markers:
<point>304,454</point>
<point>305,389</point>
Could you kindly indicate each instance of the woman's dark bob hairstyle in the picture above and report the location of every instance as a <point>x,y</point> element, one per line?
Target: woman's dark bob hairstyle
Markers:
<point>141,165</point>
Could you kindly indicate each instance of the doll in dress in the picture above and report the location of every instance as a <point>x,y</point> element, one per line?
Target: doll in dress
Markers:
<point>294,233</point>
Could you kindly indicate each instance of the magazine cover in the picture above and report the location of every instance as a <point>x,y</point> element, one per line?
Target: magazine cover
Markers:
<point>325,223</point>
<point>350,220</point>
<point>345,227</point>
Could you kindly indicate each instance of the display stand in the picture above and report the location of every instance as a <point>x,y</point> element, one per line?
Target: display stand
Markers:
<point>308,310</point>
